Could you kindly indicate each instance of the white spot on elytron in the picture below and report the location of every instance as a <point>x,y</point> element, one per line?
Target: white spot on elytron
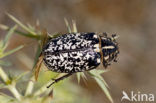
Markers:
<point>98,60</point>
<point>61,58</point>
<point>79,54</point>
<point>95,36</point>
<point>65,54</point>
<point>60,47</point>
<point>49,49</point>
<point>96,45</point>
<point>59,42</point>
<point>108,47</point>
<point>53,57</point>
<point>87,56</point>
<point>78,34</point>
<point>54,62</point>
<point>73,47</point>
<point>97,49</point>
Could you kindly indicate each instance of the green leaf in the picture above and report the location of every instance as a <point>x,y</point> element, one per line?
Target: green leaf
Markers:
<point>11,51</point>
<point>20,76</point>
<point>74,27</point>
<point>96,73</point>
<point>21,25</point>
<point>104,88</point>
<point>101,82</point>
<point>4,27</point>
<point>28,35</point>
<point>101,71</point>
<point>83,75</point>
<point>7,37</point>
<point>78,77</point>
<point>31,27</point>
<point>4,77</point>
<point>68,26</point>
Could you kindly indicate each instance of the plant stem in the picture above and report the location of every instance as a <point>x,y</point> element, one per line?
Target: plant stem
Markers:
<point>21,25</point>
<point>3,75</point>
<point>30,87</point>
<point>37,37</point>
<point>14,91</point>
<point>11,84</point>
<point>42,89</point>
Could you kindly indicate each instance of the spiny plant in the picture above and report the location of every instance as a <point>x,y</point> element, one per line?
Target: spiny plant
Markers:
<point>37,91</point>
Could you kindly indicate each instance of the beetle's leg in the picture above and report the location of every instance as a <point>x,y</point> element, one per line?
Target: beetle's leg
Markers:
<point>38,66</point>
<point>58,79</point>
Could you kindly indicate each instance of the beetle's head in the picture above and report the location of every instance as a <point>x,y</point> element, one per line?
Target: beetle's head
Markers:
<point>109,48</point>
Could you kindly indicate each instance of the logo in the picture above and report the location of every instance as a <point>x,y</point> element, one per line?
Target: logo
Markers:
<point>137,96</point>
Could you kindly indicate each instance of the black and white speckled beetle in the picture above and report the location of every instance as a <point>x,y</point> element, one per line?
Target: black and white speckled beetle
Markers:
<point>78,52</point>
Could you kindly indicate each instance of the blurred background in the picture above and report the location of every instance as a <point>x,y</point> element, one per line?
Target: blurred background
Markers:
<point>133,20</point>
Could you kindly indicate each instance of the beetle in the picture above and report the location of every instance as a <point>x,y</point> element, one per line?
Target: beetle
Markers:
<point>77,52</point>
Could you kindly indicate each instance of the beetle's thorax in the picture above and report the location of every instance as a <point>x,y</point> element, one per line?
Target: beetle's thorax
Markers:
<point>109,49</point>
